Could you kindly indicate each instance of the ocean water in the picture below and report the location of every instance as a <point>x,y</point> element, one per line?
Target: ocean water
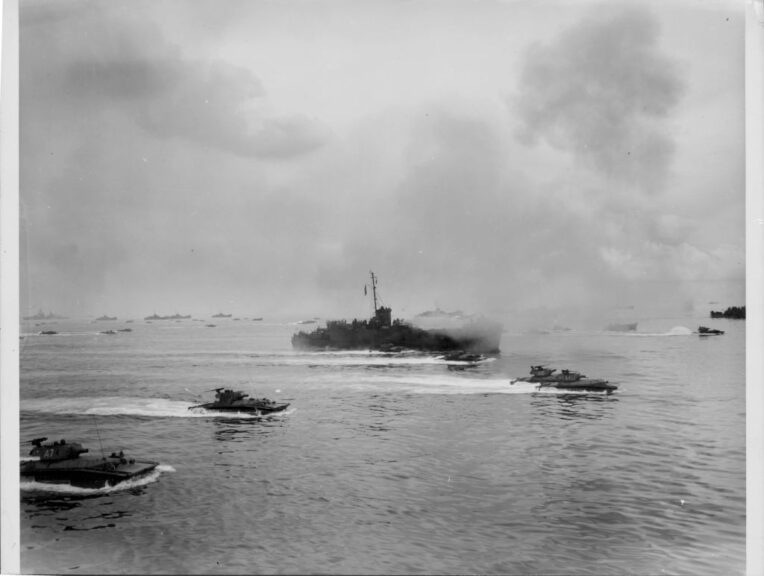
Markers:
<point>389,463</point>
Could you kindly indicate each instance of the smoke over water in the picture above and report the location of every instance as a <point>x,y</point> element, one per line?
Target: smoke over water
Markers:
<point>598,102</point>
<point>602,93</point>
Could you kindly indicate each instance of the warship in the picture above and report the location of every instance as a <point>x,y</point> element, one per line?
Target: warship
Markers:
<point>382,332</point>
<point>235,401</point>
<point>43,316</point>
<point>565,380</point>
<point>60,462</point>
<point>734,312</point>
<point>175,316</point>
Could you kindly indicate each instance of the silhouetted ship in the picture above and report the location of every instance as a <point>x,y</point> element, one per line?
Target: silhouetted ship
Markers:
<point>106,318</point>
<point>566,380</point>
<point>60,463</point>
<point>173,317</point>
<point>381,332</point>
<point>221,315</point>
<point>42,316</point>
<point>734,312</point>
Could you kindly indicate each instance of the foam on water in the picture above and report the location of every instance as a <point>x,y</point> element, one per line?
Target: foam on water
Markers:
<point>68,489</point>
<point>675,331</point>
<point>126,406</point>
<point>319,353</point>
<point>446,384</point>
<point>367,361</point>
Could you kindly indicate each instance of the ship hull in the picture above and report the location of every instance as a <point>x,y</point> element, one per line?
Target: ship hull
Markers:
<point>582,385</point>
<point>86,472</point>
<point>360,336</point>
<point>244,407</point>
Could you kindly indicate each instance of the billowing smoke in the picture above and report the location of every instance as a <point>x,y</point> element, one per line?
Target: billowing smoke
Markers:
<point>603,93</point>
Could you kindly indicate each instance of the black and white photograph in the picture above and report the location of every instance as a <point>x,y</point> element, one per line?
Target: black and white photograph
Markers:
<point>382,287</point>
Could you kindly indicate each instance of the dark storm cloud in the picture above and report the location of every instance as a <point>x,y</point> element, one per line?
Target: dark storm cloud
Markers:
<point>602,92</point>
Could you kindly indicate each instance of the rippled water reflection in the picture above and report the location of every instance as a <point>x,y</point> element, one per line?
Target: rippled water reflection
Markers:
<point>389,464</point>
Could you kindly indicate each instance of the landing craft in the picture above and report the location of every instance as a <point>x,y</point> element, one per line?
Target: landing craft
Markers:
<point>704,331</point>
<point>60,463</point>
<point>235,401</point>
<point>565,380</point>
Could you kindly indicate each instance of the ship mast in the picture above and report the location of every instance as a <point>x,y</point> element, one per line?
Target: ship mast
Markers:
<point>374,289</point>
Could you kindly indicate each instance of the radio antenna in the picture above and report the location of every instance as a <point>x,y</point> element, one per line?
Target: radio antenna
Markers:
<point>98,434</point>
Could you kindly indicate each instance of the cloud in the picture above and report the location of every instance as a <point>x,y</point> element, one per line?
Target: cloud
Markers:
<point>139,188</point>
<point>121,63</point>
<point>603,92</point>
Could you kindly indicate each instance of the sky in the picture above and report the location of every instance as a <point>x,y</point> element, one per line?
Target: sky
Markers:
<point>498,157</point>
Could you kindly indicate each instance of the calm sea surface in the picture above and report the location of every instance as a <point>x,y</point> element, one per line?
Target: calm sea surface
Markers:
<point>389,464</point>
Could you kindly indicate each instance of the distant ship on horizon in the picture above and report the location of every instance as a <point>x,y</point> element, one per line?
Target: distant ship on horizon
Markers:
<point>42,316</point>
<point>625,327</point>
<point>381,332</point>
<point>173,317</point>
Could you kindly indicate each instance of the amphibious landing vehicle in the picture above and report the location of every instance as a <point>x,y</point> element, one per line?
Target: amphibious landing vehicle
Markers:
<point>235,401</point>
<point>60,462</point>
<point>566,380</point>
<point>704,331</point>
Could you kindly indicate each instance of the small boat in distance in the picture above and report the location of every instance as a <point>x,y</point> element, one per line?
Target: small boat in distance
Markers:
<point>221,315</point>
<point>628,327</point>
<point>566,380</point>
<point>60,463</point>
<point>105,318</point>
<point>704,331</point>
<point>236,401</point>
<point>48,332</point>
<point>460,356</point>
